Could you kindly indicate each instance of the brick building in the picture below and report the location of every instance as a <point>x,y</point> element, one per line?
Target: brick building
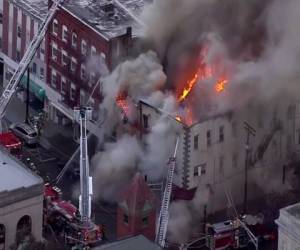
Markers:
<point>19,21</point>
<point>136,212</point>
<point>83,37</point>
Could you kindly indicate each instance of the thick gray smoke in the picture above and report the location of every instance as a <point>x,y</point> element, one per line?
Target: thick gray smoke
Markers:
<point>115,166</point>
<point>259,43</point>
<point>136,78</point>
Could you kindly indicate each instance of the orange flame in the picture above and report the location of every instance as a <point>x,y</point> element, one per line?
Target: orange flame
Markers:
<point>220,85</point>
<point>122,104</point>
<point>188,89</point>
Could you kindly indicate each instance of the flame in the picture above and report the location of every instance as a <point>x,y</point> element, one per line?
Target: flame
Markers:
<point>188,89</point>
<point>122,103</point>
<point>178,118</point>
<point>220,85</point>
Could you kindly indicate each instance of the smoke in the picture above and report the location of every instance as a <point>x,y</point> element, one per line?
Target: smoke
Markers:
<point>115,166</point>
<point>185,216</point>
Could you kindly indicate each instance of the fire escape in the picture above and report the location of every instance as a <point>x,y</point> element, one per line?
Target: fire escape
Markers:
<point>186,156</point>
<point>163,218</point>
<point>263,146</point>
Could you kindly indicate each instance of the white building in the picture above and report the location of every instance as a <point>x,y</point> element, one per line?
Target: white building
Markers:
<point>21,201</point>
<point>289,228</point>
<point>212,151</point>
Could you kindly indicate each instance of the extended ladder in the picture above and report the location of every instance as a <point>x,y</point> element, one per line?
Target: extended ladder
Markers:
<point>32,48</point>
<point>163,218</point>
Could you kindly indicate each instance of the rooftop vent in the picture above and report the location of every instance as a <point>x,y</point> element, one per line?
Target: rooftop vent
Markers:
<point>108,7</point>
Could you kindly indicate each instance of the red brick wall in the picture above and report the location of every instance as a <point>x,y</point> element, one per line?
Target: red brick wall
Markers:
<point>135,225</point>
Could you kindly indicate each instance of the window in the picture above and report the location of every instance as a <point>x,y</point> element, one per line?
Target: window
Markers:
<point>54,51</point>
<point>63,85</point>
<point>233,128</point>
<point>93,51</point>
<point>221,164</point>
<point>64,33</point>
<point>145,221</point>
<point>53,78</point>
<point>200,169</point>
<point>42,51</point>
<point>8,74</point>
<point>298,137</point>
<point>146,121</point>
<point>221,133</point>
<point>196,141</point>
<point>125,218</point>
<point>42,73</point>
<point>55,27</point>
<point>235,160</point>
<point>18,56</point>
<point>72,92</point>
<point>82,97</point>
<point>103,56</point>
<point>64,58</point>
<point>1,17</point>
<point>34,68</point>
<point>19,31</point>
<point>73,64</point>
<point>93,79</point>
<point>208,138</point>
<point>83,47</point>
<point>82,72</point>
<point>74,40</point>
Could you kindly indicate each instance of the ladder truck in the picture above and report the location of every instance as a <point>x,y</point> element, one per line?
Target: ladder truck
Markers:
<point>163,218</point>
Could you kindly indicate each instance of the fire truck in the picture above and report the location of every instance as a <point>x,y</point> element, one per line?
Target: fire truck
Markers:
<point>64,218</point>
<point>11,143</point>
<point>232,234</point>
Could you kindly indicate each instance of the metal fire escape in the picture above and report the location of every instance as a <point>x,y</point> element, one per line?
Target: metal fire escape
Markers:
<point>263,146</point>
<point>163,218</point>
<point>11,87</point>
<point>82,114</point>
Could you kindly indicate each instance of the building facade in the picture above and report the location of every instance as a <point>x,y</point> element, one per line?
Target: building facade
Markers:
<point>85,41</point>
<point>289,228</point>
<point>21,202</point>
<point>212,152</point>
<point>136,213</point>
<point>19,22</point>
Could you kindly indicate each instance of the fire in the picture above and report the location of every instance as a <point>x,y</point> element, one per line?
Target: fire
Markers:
<point>122,104</point>
<point>188,89</point>
<point>220,85</point>
<point>178,118</point>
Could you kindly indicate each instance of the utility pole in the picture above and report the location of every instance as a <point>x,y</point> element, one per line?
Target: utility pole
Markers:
<point>250,131</point>
<point>27,96</point>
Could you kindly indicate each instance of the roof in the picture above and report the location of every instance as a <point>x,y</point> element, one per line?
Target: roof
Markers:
<point>110,18</point>
<point>36,8</point>
<point>133,243</point>
<point>137,196</point>
<point>14,174</point>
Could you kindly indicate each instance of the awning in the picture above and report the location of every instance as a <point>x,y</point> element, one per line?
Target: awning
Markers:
<point>38,91</point>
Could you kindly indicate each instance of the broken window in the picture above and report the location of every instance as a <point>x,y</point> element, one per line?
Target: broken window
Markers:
<point>33,68</point>
<point>53,78</point>
<point>72,92</point>
<point>125,218</point>
<point>145,221</point>
<point>196,142</point>
<point>146,121</point>
<point>208,138</point>
<point>221,133</point>
<point>42,73</point>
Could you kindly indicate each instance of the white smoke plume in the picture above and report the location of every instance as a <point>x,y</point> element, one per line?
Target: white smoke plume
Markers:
<point>115,166</point>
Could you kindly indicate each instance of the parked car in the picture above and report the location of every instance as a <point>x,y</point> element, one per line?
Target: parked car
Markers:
<point>24,132</point>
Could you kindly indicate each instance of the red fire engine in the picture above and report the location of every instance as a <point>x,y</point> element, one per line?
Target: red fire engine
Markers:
<point>64,219</point>
<point>11,143</point>
<point>231,233</point>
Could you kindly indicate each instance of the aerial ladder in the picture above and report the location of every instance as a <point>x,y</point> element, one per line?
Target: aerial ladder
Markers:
<point>162,225</point>
<point>11,87</point>
<point>82,115</point>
